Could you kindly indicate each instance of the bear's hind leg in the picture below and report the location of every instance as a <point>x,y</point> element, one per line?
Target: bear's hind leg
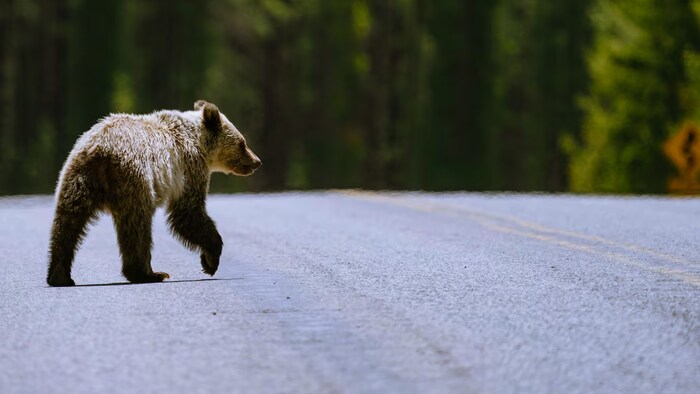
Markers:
<point>135,241</point>
<point>76,207</point>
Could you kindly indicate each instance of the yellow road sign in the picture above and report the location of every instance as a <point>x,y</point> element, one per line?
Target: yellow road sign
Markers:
<point>683,149</point>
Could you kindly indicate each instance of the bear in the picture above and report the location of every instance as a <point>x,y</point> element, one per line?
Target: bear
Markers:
<point>128,165</point>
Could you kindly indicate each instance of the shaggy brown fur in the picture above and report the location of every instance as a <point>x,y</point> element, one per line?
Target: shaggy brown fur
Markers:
<point>130,164</point>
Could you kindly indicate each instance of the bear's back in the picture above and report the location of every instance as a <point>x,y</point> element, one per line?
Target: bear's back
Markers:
<point>152,150</point>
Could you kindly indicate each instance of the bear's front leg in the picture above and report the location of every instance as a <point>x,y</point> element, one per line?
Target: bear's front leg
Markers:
<point>191,224</point>
<point>133,227</point>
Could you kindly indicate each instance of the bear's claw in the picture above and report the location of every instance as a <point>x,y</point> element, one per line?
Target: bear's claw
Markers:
<point>207,267</point>
<point>150,278</point>
<point>61,282</point>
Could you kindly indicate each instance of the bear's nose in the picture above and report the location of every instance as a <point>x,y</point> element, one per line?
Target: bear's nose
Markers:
<point>257,163</point>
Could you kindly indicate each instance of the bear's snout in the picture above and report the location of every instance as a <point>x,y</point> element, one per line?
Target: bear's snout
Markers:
<point>253,161</point>
<point>248,168</point>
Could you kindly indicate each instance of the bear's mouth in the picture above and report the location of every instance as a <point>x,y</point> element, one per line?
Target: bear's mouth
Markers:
<point>243,170</point>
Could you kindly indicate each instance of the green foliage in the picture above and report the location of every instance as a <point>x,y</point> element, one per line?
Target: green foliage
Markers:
<point>690,92</point>
<point>541,71</point>
<point>638,68</point>
<point>437,95</point>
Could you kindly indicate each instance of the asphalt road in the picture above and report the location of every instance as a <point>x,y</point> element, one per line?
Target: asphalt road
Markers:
<point>363,292</point>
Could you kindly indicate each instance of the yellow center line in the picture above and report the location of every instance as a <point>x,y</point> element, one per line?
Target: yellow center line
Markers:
<point>598,239</point>
<point>541,233</point>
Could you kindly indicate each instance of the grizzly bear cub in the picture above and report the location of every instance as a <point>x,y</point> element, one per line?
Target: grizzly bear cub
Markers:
<point>128,165</point>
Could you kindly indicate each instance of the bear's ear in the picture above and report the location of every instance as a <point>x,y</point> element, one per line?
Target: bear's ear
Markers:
<point>199,104</point>
<point>211,117</point>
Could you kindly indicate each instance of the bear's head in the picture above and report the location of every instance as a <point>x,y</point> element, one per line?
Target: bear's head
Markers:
<point>229,152</point>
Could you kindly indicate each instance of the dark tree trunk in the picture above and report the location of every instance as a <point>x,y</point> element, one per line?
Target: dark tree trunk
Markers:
<point>273,145</point>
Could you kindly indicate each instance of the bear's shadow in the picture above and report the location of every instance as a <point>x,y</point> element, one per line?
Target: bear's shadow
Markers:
<point>157,283</point>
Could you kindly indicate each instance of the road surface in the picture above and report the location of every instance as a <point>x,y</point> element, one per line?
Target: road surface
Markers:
<point>356,292</point>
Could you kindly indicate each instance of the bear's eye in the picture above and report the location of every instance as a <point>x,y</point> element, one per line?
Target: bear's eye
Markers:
<point>241,145</point>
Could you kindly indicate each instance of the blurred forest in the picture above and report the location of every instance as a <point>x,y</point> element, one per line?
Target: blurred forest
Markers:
<point>522,95</point>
